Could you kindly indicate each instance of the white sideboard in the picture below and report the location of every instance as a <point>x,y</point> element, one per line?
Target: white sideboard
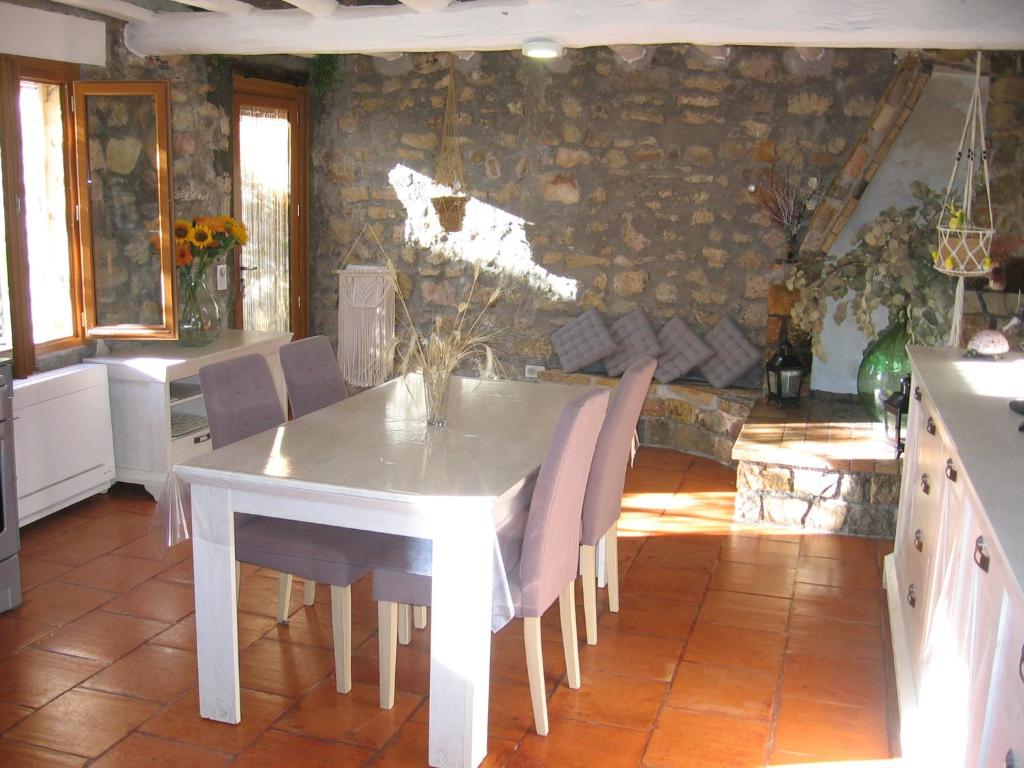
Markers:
<point>953,582</point>
<point>156,403</point>
<point>63,451</point>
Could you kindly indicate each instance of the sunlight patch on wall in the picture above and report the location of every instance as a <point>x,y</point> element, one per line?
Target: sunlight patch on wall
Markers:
<point>490,236</point>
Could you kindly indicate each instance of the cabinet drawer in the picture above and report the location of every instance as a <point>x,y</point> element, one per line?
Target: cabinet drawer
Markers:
<point>189,445</point>
<point>1004,730</point>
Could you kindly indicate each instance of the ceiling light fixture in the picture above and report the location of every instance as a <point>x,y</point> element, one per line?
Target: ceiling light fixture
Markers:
<point>542,48</point>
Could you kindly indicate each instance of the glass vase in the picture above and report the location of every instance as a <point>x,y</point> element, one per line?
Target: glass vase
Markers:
<point>436,384</point>
<point>199,322</point>
<point>885,363</point>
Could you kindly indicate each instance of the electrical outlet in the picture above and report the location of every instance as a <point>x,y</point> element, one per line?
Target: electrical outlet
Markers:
<point>222,277</point>
<point>533,370</point>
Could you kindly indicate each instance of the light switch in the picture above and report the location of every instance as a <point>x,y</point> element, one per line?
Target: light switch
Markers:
<point>222,277</point>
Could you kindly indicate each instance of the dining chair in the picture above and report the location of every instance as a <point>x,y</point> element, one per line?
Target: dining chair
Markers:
<point>602,503</point>
<point>313,380</point>
<point>241,401</point>
<point>311,375</point>
<point>547,567</point>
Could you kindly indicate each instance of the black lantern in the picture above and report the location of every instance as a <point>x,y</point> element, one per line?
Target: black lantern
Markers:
<point>785,374</point>
<point>895,407</point>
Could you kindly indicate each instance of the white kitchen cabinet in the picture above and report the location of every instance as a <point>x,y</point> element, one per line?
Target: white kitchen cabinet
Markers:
<point>156,404</point>
<point>63,447</point>
<point>953,580</point>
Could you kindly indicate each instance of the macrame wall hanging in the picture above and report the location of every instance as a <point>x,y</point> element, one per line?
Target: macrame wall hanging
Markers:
<point>451,208</point>
<point>965,223</point>
<point>366,320</point>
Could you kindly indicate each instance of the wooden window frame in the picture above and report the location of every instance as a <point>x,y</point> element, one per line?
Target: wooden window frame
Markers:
<point>160,91</point>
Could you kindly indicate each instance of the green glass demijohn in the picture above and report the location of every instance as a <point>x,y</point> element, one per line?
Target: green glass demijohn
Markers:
<point>885,363</point>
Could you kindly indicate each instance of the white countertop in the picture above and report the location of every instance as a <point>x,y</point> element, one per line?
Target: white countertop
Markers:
<point>972,398</point>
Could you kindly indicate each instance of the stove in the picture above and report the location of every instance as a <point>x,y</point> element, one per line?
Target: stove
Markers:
<point>10,570</point>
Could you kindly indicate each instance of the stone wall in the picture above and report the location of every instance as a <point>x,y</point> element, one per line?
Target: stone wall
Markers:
<point>596,183</point>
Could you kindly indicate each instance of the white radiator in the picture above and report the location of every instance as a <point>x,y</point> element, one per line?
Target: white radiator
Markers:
<point>63,447</point>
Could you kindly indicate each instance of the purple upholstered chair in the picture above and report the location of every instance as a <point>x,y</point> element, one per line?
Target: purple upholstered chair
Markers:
<point>313,380</point>
<point>603,501</point>
<point>312,375</point>
<point>241,401</point>
<point>548,563</point>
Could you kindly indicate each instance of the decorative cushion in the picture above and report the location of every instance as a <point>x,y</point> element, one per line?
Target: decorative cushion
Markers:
<point>582,341</point>
<point>733,357</point>
<point>682,350</point>
<point>635,338</point>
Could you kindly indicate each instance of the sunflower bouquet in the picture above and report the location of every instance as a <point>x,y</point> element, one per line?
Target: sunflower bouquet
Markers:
<point>198,244</point>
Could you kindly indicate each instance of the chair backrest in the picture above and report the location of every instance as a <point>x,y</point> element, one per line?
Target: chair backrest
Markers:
<point>240,399</point>
<point>551,542</point>
<point>312,375</point>
<point>603,499</point>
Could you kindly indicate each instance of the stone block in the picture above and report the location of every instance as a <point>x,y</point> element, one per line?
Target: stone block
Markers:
<point>784,510</point>
<point>747,507</point>
<point>723,445</point>
<point>657,432</point>
<point>854,488</point>
<point>827,515</point>
<point>812,482</point>
<point>694,440</point>
<point>781,299</point>
<point>885,490</point>
<point>869,520</point>
<point>681,411</point>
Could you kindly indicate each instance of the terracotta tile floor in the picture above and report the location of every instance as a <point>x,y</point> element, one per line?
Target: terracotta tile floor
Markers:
<point>734,647</point>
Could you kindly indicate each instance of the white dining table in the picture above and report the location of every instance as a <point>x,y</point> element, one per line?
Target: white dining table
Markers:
<point>370,462</point>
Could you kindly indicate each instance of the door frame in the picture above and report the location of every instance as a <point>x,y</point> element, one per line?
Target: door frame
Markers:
<point>295,99</point>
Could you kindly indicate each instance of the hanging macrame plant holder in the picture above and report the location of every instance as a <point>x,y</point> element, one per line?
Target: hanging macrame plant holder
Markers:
<point>964,244</point>
<point>451,208</point>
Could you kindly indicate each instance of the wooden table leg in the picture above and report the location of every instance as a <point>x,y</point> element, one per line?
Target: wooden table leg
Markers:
<point>460,641</point>
<point>213,557</point>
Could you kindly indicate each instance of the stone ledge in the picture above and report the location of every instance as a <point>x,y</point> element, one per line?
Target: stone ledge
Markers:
<point>686,416</point>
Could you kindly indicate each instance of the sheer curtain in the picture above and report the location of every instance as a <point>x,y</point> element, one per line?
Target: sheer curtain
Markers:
<point>264,136</point>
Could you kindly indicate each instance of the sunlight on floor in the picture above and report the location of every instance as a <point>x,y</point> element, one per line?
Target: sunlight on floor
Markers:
<point>490,236</point>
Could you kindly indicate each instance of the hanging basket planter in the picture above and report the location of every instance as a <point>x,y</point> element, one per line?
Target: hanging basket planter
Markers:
<point>964,252</point>
<point>451,210</point>
<point>965,224</point>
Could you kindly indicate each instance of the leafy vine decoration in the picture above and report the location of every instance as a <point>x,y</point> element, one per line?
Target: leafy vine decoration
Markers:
<point>889,266</point>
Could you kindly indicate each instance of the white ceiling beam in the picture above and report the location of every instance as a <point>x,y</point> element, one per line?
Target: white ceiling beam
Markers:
<point>427,6</point>
<point>117,9</point>
<point>232,8</point>
<point>489,25</point>
<point>319,8</point>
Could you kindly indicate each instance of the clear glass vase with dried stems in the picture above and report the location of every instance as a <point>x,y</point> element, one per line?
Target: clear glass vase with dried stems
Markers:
<point>450,343</point>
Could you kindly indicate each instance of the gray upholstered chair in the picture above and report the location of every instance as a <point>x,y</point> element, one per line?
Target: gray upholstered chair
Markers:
<point>312,375</point>
<point>241,401</point>
<point>546,570</point>
<point>603,501</point>
<point>313,380</point>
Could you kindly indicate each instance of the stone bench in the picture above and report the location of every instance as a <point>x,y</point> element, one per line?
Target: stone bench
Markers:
<point>824,466</point>
<point>687,416</point>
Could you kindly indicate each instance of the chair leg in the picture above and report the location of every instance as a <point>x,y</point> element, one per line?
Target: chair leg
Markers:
<point>309,592</point>
<point>535,671</point>
<point>284,597</point>
<point>611,560</point>
<point>588,563</point>
<point>567,611</point>
<point>404,624</point>
<point>419,616</point>
<point>341,624</point>
<point>387,650</point>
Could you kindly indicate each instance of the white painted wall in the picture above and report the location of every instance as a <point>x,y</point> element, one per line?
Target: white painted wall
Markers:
<point>924,151</point>
<point>54,36</point>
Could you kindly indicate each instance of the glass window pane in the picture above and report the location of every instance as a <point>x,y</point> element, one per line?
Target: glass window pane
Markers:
<point>264,137</point>
<point>42,141</point>
<point>124,200</point>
